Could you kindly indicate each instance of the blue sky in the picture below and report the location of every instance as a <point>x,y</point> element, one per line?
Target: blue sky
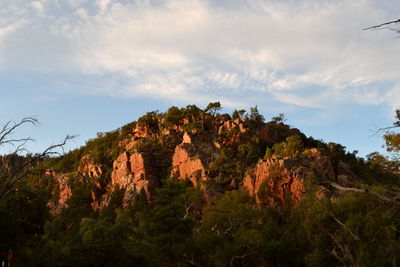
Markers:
<point>85,66</point>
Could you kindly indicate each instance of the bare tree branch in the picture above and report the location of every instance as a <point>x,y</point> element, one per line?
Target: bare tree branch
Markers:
<point>366,191</point>
<point>383,24</point>
<point>9,180</point>
<point>8,129</point>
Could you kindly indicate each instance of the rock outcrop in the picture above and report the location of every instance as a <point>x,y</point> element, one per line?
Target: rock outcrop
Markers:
<point>140,133</point>
<point>187,164</point>
<point>276,181</point>
<point>88,168</point>
<point>231,124</point>
<point>189,153</point>
<point>62,192</point>
<point>134,174</point>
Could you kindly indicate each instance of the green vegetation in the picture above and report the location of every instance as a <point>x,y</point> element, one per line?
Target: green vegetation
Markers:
<point>292,147</point>
<point>216,223</point>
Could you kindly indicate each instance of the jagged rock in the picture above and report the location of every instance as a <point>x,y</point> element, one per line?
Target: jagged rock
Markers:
<point>187,164</point>
<point>121,170</point>
<point>141,130</point>
<point>277,180</point>
<point>232,131</point>
<point>186,138</point>
<point>140,133</point>
<point>230,124</point>
<point>134,173</point>
<point>88,168</point>
<point>62,189</point>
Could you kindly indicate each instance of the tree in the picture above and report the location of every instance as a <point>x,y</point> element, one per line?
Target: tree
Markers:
<point>238,114</point>
<point>14,167</point>
<point>279,119</point>
<point>7,131</point>
<point>213,108</point>
<point>256,116</point>
<point>174,116</point>
<point>393,146</point>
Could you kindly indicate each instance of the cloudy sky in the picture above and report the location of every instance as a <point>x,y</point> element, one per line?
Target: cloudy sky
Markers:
<point>85,66</point>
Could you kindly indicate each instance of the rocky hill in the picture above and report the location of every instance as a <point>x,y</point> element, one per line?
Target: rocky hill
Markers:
<point>214,152</point>
<point>193,187</point>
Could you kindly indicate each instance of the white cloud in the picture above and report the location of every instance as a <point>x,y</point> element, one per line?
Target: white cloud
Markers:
<point>39,7</point>
<point>102,4</point>
<point>187,49</point>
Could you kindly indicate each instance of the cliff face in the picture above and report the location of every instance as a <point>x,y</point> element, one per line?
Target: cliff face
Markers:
<point>186,164</point>
<point>134,173</point>
<point>89,168</point>
<point>277,181</point>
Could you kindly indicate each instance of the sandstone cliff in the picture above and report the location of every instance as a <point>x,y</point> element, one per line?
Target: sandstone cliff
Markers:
<point>277,181</point>
<point>187,164</point>
<point>134,173</point>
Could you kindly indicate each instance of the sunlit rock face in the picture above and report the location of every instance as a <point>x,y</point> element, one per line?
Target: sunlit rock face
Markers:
<point>89,168</point>
<point>278,181</point>
<point>186,163</point>
<point>231,124</point>
<point>134,174</point>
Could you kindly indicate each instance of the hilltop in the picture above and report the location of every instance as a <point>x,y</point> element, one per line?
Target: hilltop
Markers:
<point>195,187</point>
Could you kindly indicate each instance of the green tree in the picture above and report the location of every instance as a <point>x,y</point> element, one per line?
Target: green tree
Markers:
<point>238,114</point>
<point>291,147</point>
<point>256,119</point>
<point>279,119</point>
<point>213,108</point>
<point>174,116</point>
<point>166,229</point>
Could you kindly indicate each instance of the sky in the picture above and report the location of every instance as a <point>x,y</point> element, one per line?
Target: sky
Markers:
<point>86,66</point>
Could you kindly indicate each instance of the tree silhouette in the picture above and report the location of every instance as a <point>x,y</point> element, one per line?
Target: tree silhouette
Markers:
<point>15,166</point>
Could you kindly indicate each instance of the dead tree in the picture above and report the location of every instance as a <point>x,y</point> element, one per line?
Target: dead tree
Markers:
<point>27,162</point>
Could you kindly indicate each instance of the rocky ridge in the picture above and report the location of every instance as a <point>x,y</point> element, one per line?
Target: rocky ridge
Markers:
<point>273,181</point>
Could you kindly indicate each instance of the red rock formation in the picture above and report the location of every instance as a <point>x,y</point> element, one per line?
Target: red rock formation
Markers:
<point>141,130</point>
<point>274,181</point>
<point>231,131</point>
<point>121,170</point>
<point>230,124</point>
<point>134,173</point>
<point>139,134</point>
<point>62,189</point>
<point>186,164</point>
<point>89,168</point>
<point>186,138</point>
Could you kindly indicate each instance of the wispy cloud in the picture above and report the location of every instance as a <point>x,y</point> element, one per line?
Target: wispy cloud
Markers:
<point>203,49</point>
